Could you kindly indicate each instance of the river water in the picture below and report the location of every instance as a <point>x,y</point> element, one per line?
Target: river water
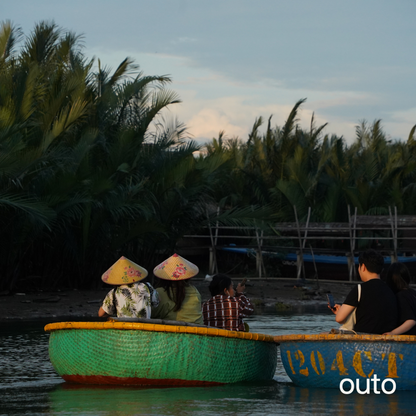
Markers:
<point>30,386</point>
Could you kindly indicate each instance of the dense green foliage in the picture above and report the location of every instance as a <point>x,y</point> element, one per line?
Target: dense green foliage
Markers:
<point>91,168</point>
<point>288,166</point>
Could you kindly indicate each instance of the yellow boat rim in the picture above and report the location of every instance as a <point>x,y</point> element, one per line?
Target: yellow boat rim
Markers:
<point>343,337</point>
<point>211,332</point>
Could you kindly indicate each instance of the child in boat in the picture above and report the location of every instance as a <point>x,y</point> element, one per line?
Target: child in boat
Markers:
<point>130,299</point>
<point>398,279</point>
<point>227,308</point>
<point>179,299</point>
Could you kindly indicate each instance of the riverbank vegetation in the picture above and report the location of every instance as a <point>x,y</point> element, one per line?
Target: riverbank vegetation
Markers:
<point>93,166</point>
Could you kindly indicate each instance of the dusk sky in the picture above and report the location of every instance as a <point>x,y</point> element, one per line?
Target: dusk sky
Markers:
<point>234,60</point>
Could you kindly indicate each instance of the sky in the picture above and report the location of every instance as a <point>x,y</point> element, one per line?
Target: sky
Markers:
<point>232,61</point>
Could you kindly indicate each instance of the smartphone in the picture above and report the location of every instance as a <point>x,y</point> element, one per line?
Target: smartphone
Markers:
<point>330,300</point>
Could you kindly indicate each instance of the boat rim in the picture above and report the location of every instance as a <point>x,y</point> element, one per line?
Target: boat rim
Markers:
<point>280,339</point>
<point>179,329</point>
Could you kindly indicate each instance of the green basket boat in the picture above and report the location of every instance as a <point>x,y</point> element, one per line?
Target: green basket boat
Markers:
<point>136,353</point>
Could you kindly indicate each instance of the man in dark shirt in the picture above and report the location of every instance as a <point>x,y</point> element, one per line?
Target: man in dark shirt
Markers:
<point>377,309</point>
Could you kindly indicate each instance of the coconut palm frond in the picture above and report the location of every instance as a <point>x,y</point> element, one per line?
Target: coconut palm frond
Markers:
<point>411,139</point>
<point>251,216</point>
<point>36,210</point>
<point>10,35</point>
<point>292,120</point>
<point>40,45</point>
<point>125,67</point>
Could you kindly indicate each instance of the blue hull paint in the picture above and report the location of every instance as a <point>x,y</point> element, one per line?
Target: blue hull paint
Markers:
<point>326,363</point>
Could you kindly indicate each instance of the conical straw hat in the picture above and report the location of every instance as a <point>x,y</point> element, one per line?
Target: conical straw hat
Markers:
<point>175,268</point>
<point>124,272</point>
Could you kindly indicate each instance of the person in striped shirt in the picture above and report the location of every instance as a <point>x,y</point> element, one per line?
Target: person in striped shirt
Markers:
<point>227,307</point>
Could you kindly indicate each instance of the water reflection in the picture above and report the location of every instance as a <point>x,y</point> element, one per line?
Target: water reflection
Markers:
<point>23,349</point>
<point>332,402</point>
<point>267,398</point>
<point>168,401</point>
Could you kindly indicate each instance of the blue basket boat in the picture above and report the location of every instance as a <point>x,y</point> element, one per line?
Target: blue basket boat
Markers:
<point>325,360</point>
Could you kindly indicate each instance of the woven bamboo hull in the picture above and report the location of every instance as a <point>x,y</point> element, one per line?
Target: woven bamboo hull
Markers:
<point>325,360</point>
<point>119,353</point>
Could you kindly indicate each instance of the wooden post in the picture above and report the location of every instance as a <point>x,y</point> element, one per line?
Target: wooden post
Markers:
<point>393,224</point>
<point>299,254</point>
<point>258,262</point>
<point>259,254</point>
<point>314,266</point>
<point>213,266</point>
<point>212,261</point>
<point>351,265</point>
<point>299,264</point>
<point>351,251</point>
<point>353,241</point>
<point>216,227</point>
<point>352,224</point>
<point>261,245</point>
<point>306,228</point>
<point>395,233</point>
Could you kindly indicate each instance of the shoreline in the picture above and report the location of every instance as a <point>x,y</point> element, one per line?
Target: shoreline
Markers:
<point>266,294</point>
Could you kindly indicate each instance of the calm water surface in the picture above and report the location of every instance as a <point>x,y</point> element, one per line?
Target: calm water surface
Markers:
<point>30,386</point>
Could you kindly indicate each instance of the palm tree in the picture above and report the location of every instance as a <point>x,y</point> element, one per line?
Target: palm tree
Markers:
<point>73,147</point>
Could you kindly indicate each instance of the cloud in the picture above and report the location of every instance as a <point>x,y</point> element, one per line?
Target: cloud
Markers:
<point>235,116</point>
<point>399,123</point>
<point>407,116</point>
<point>208,122</point>
<point>232,61</point>
<point>183,39</point>
<point>213,102</point>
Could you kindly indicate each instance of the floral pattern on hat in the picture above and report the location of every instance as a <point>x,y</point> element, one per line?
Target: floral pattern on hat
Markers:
<point>162,265</point>
<point>106,275</point>
<point>179,271</point>
<point>130,273</point>
<point>175,268</point>
<point>124,271</point>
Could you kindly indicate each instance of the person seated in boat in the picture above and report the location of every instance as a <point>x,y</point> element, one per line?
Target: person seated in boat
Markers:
<point>179,299</point>
<point>398,279</point>
<point>130,298</point>
<point>376,312</point>
<point>227,307</point>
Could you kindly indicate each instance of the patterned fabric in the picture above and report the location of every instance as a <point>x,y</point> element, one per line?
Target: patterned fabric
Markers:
<point>131,301</point>
<point>227,312</point>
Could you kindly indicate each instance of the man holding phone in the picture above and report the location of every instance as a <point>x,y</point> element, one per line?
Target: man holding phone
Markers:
<point>377,309</point>
<point>331,302</point>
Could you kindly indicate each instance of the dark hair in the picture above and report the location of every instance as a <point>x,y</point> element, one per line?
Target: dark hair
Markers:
<point>175,290</point>
<point>219,283</point>
<point>398,277</point>
<point>373,261</point>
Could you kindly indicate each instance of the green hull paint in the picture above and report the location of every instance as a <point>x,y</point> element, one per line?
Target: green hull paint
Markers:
<point>146,355</point>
